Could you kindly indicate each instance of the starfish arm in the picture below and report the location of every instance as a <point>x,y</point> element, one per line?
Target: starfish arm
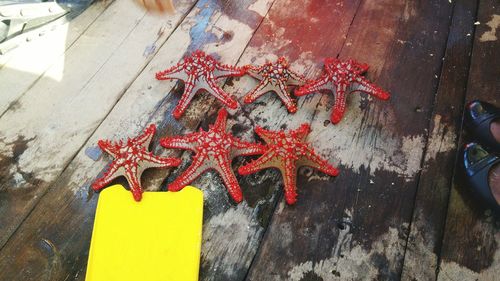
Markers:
<point>246,148</point>
<point>266,135</point>
<point>187,96</point>
<point>219,94</point>
<point>135,183</point>
<point>302,132</point>
<point>145,139</point>
<point>323,83</point>
<point>290,181</point>
<point>224,70</point>
<point>110,174</point>
<point>265,161</point>
<point>295,79</point>
<point>221,121</point>
<point>255,71</point>
<point>175,72</point>
<point>263,87</point>
<point>367,87</point>
<point>187,142</point>
<point>109,147</point>
<point>286,98</point>
<point>196,168</point>
<point>227,174</point>
<point>339,106</point>
<point>313,160</point>
<point>362,67</point>
<point>155,161</point>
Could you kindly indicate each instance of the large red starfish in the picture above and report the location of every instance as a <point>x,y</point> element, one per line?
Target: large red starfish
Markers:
<point>200,71</point>
<point>287,152</point>
<point>275,77</point>
<point>131,159</point>
<point>338,76</point>
<point>214,149</point>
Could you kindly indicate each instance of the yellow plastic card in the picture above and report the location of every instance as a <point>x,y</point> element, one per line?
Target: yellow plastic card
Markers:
<point>158,238</point>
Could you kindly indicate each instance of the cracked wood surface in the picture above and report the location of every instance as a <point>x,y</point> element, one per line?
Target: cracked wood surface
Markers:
<point>380,219</point>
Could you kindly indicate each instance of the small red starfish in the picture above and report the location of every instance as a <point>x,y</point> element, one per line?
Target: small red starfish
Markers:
<point>338,76</point>
<point>214,149</point>
<point>131,159</point>
<point>287,152</point>
<point>200,71</point>
<point>275,77</point>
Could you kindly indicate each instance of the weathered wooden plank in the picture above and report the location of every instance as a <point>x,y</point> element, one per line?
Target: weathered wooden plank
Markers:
<point>244,225</point>
<point>325,49</point>
<point>21,67</point>
<point>88,10</point>
<point>354,227</point>
<point>429,215</point>
<point>53,119</point>
<point>470,249</point>
<point>53,251</point>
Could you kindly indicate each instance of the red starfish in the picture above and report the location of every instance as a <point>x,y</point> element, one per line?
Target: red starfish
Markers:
<point>214,149</point>
<point>131,159</point>
<point>287,152</point>
<point>275,78</point>
<point>338,76</point>
<point>200,71</point>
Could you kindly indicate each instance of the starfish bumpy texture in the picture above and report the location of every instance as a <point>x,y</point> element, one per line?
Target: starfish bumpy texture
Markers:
<point>214,149</point>
<point>200,71</point>
<point>338,76</point>
<point>275,77</point>
<point>287,152</point>
<point>131,159</point>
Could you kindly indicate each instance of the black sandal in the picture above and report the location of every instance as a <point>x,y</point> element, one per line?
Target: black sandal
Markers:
<point>478,118</point>
<point>478,163</point>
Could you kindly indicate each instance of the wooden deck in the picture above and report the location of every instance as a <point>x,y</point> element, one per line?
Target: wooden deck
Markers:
<point>399,210</point>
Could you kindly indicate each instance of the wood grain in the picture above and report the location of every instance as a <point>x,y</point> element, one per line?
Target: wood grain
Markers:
<point>380,219</point>
<point>429,214</point>
<point>54,119</point>
<point>470,249</point>
<point>354,227</point>
<point>244,225</point>
<point>20,68</point>
<point>67,201</point>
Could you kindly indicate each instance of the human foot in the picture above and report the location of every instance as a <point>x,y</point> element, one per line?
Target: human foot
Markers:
<point>483,173</point>
<point>494,182</point>
<point>495,129</point>
<point>483,121</point>
<point>160,6</point>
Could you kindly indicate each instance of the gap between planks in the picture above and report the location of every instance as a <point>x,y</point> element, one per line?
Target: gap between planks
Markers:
<point>135,87</point>
<point>280,196</point>
<point>359,208</point>
<point>28,55</point>
<point>114,7</point>
<point>427,225</point>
